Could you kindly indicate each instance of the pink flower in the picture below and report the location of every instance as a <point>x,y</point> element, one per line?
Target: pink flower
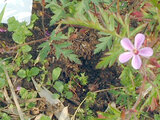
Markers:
<point>3,30</point>
<point>135,52</point>
<point>18,88</point>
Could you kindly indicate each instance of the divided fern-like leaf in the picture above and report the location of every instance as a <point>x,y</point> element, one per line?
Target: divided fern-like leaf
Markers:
<point>44,51</point>
<point>110,59</point>
<point>67,53</point>
<point>104,43</point>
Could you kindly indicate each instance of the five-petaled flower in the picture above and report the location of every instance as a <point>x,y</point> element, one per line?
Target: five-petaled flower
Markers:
<point>134,51</point>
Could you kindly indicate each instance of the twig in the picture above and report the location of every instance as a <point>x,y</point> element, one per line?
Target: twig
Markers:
<point>73,117</point>
<point>6,95</point>
<point>13,94</point>
<point>18,46</point>
<point>59,30</point>
<point>103,90</point>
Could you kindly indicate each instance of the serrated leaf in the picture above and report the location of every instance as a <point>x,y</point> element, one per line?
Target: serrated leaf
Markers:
<point>105,42</point>
<point>59,86</point>
<point>64,45</point>
<point>137,30</point>
<point>56,96</point>
<point>18,37</point>
<point>44,51</point>
<point>34,71</point>
<point>26,58</point>
<point>127,78</point>
<point>96,2</point>
<point>2,83</point>
<point>93,18</point>
<point>110,58</point>
<point>59,14</point>
<point>104,15</point>
<point>68,95</point>
<point>74,58</point>
<point>119,19</point>
<point>66,52</point>
<point>58,11</point>
<point>58,36</point>
<point>112,23</point>
<point>26,48</point>
<point>12,24</point>
<point>83,21</point>
<point>21,73</point>
<point>56,73</point>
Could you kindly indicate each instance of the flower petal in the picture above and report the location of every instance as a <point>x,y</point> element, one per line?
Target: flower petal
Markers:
<point>127,44</point>
<point>136,62</point>
<point>146,52</point>
<point>124,57</point>
<point>139,40</point>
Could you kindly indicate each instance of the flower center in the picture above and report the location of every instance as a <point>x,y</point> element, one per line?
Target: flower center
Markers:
<point>135,51</point>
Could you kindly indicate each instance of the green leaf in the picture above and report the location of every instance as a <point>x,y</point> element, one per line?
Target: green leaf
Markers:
<point>26,58</point>
<point>119,19</point>
<point>68,95</point>
<point>26,48</point>
<point>59,86</point>
<point>110,58</point>
<point>56,73</point>
<point>45,118</point>
<point>58,11</point>
<point>127,78</point>
<point>58,36</point>
<point>156,116</point>
<point>74,58</point>
<point>59,14</point>
<point>31,105</point>
<point>56,96</point>
<point>33,19</point>
<point>81,20</point>
<point>66,52</point>
<point>96,2</point>
<point>34,71</point>
<point>5,117</point>
<point>137,30</point>
<point>21,73</point>
<point>44,51</point>
<point>2,83</point>
<point>105,15</point>
<point>83,79</point>
<point>13,24</point>
<point>25,94</point>
<point>112,23</point>
<point>18,37</point>
<point>64,45</point>
<point>20,30</point>
<point>155,3</point>
<point>105,42</point>
<point>2,13</point>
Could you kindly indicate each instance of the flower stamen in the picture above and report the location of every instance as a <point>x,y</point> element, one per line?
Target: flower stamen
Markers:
<point>135,51</point>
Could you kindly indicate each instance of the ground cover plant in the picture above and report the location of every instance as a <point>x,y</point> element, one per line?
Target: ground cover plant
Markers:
<point>82,60</point>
